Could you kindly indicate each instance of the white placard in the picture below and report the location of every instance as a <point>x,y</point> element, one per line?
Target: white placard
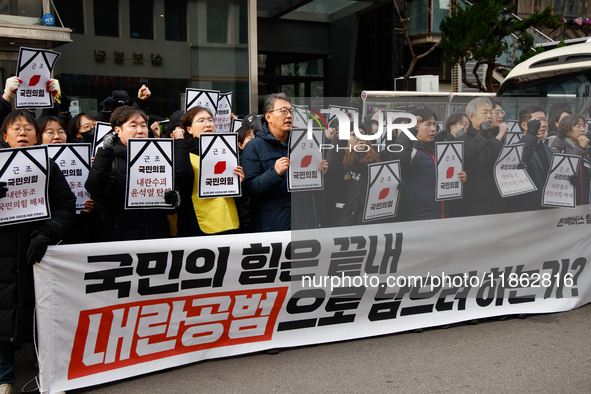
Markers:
<point>382,192</point>
<point>351,110</point>
<point>236,124</point>
<point>511,180</point>
<point>203,98</point>
<point>34,68</point>
<point>299,119</point>
<point>558,191</point>
<point>25,172</point>
<point>223,118</point>
<point>218,156</point>
<point>450,161</point>
<point>150,172</point>
<point>74,161</point>
<point>304,157</point>
<point>100,132</point>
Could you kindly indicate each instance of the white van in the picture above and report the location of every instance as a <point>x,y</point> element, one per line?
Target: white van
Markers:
<point>562,73</point>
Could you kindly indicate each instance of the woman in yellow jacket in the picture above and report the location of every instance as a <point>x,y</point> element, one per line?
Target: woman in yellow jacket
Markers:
<point>200,216</point>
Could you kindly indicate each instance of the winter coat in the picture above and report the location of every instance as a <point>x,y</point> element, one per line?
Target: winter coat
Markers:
<point>537,170</point>
<point>17,299</point>
<point>419,171</point>
<point>270,199</point>
<point>199,216</point>
<point>566,146</point>
<point>480,189</point>
<point>107,182</point>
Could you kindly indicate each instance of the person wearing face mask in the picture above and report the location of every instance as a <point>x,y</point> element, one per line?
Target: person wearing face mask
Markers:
<point>82,128</point>
<point>419,171</point>
<point>200,216</point>
<point>455,128</point>
<point>108,178</point>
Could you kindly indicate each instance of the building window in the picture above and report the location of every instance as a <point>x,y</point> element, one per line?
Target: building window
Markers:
<point>217,22</point>
<point>243,24</point>
<point>106,18</point>
<point>141,19</point>
<point>175,20</point>
<point>70,11</point>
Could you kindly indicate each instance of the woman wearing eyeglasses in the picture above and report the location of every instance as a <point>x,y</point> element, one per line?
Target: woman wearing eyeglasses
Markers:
<point>24,244</point>
<point>82,127</point>
<point>54,130</point>
<point>200,216</point>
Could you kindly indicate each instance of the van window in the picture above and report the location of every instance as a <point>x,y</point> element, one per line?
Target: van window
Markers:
<point>566,83</point>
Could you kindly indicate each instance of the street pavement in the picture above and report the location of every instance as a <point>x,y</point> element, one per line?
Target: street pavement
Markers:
<point>548,353</point>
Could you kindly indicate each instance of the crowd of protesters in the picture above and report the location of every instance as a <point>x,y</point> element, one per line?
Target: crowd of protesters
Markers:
<point>266,205</point>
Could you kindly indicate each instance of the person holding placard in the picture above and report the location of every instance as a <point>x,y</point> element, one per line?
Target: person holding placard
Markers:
<point>571,140</point>
<point>107,182</point>
<point>24,244</point>
<point>345,192</point>
<point>419,171</point>
<point>536,155</point>
<point>200,216</point>
<point>481,152</point>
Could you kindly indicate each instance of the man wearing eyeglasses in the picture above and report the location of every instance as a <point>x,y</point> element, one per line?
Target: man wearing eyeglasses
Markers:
<point>265,162</point>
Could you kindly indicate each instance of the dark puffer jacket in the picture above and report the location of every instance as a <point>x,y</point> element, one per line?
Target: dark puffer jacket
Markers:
<point>270,199</point>
<point>17,299</point>
<point>106,182</point>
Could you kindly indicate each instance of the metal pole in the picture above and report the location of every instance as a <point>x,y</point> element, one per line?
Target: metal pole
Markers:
<point>253,72</point>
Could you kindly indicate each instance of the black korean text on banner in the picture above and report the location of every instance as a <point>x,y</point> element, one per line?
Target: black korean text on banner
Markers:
<point>236,124</point>
<point>100,132</point>
<point>223,119</point>
<point>382,192</point>
<point>300,117</point>
<point>142,306</point>
<point>450,161</point>
<point>511,180</point>
<point>558,191</point>
<point>74,162</point>
<point>305,157</point>
<point>34,68</point>
<point>25,172</point>
<point>203,98</point>
<point>218,156</point>
<point>150,172</point>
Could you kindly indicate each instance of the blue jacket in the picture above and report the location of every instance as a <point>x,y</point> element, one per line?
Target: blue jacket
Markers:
<point>269,198</point>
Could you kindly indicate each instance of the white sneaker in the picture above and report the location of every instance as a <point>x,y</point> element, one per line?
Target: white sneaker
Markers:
<point>5,388</point>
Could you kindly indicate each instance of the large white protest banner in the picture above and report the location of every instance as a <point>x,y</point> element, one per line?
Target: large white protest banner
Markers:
<point>25,172</point>
<point>305,157</point>
<point>74,161</point>
<point>150,172</point>
<point>34,67</point>
<point>450,160</point>
<point>218,156</point>
<point>558,191</point>
<point>109,311</point>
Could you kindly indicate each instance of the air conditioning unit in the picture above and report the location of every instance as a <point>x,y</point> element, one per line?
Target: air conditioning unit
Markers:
<point>419,83</point>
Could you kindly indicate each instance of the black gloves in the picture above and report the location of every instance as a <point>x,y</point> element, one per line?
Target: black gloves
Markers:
<point>533,127</point>
<point>173,198</point>
<point>37,247</point>
<point>403,187</point>
<point>3,189</point>
<point>575,180</point>
<point>109,141</point>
